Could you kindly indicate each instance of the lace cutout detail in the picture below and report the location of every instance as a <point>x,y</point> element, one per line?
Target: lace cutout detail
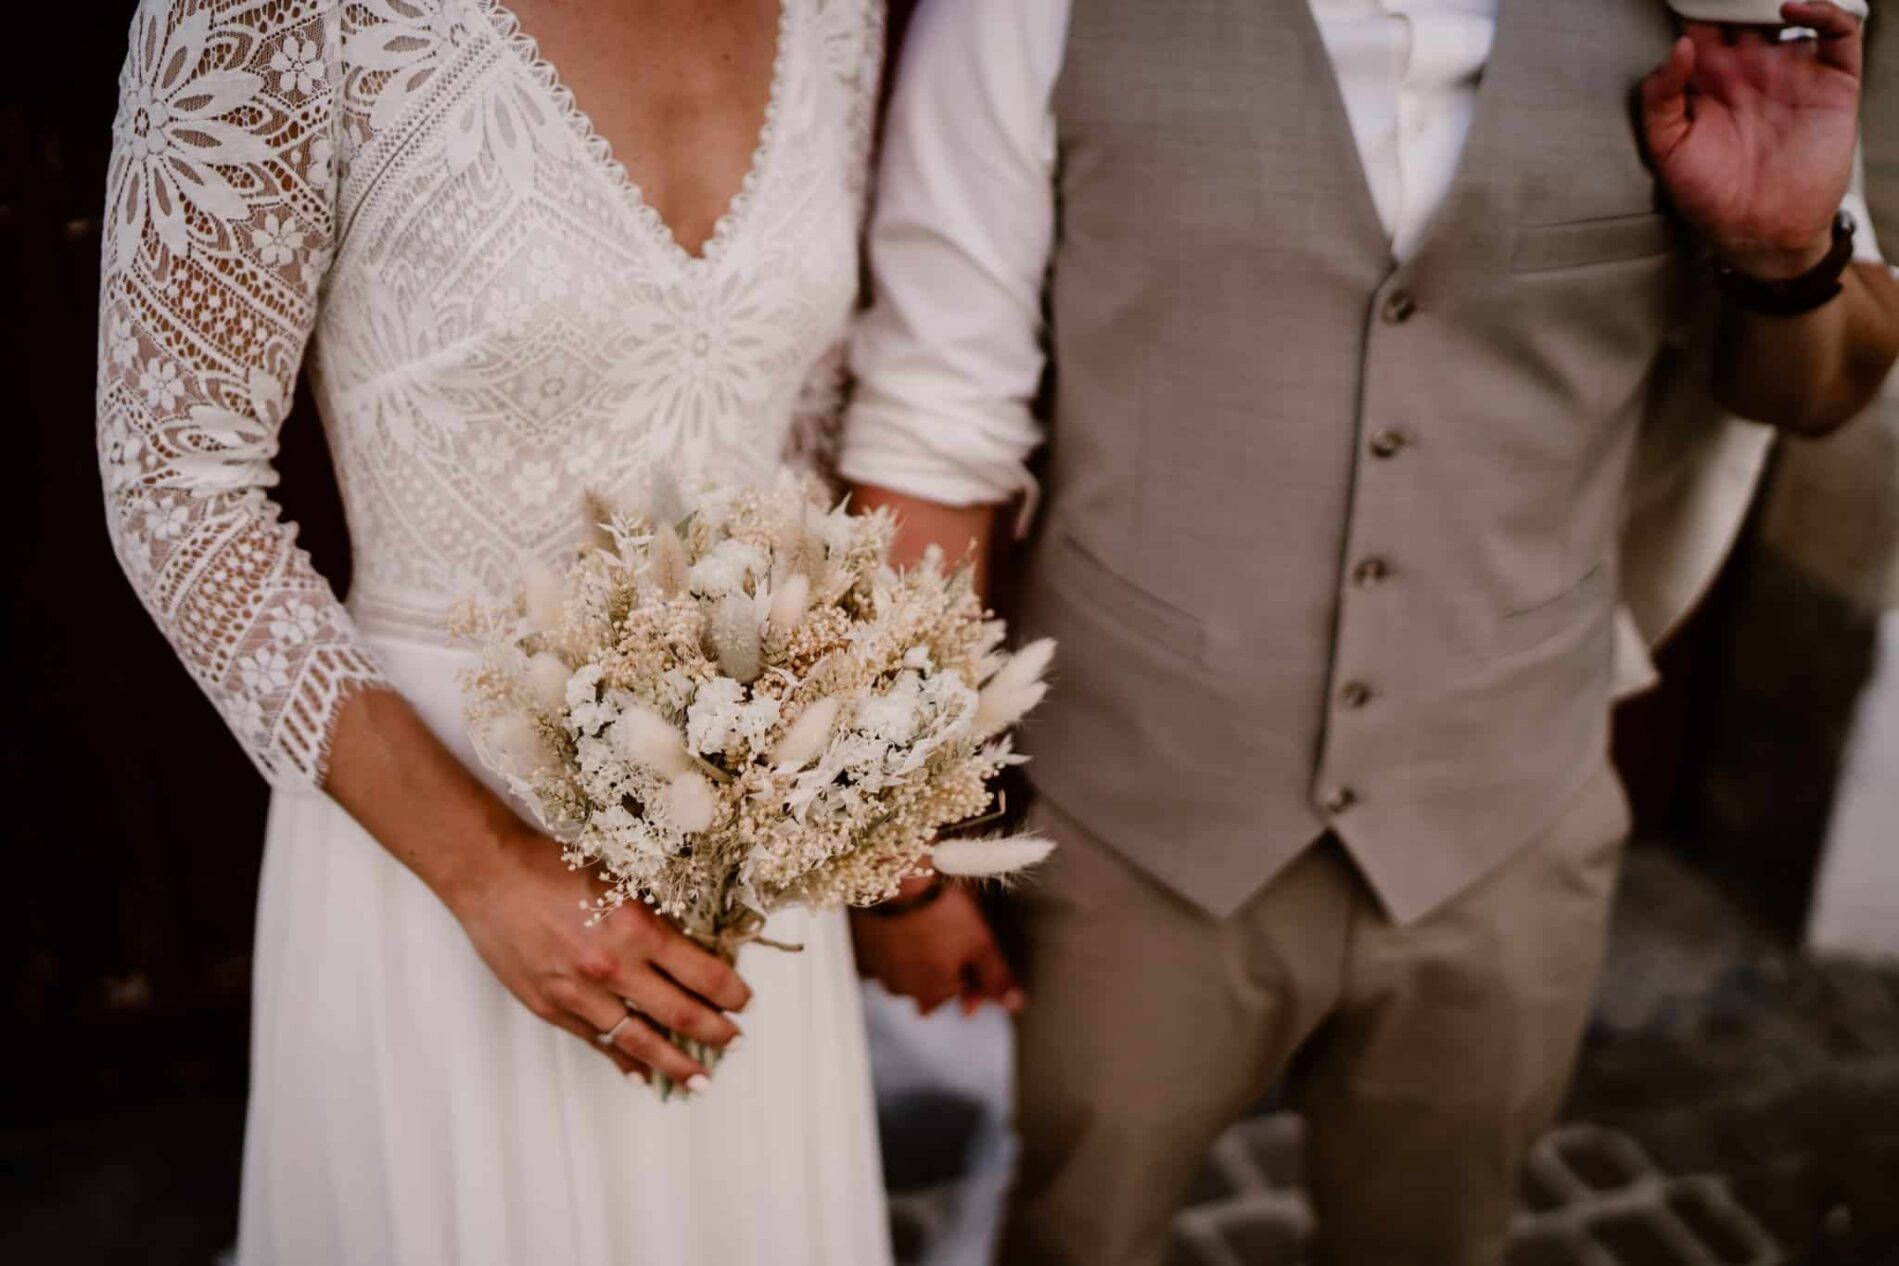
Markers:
<point>500,323</point>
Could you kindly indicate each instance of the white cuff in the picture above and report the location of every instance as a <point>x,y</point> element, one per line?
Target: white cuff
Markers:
<point>1751,12</point>
<point>891,450</point>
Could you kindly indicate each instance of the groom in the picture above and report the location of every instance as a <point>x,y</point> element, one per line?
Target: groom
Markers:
<point>1354,311</point>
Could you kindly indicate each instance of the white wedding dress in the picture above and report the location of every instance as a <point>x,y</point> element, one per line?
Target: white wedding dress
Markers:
<point>497,324</point>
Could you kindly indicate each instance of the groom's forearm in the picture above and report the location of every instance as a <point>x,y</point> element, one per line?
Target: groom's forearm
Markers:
<point>1811,374</point>
<point>960,531</point>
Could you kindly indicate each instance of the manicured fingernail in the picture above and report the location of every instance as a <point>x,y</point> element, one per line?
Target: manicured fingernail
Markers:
<point>698,1083</point>
<point>635,1076</point>
<point>738,1040</point>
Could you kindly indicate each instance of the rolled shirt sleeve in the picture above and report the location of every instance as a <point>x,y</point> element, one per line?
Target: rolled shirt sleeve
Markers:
<point>949,357</point>
<point>1752,12</point>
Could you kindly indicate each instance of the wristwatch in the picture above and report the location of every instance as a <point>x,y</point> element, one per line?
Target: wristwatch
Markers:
<point>1794,296</point>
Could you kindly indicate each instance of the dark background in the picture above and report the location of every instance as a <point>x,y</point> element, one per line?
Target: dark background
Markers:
<point>135,822</point>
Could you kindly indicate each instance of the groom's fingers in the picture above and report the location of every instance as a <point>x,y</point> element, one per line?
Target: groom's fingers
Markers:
<point>932,989</point>
<point>1665,99</point>
<point>1839,44</point>
<point>991,979</point>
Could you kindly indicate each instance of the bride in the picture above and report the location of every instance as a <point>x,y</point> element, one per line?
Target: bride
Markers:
<point>517,284</point>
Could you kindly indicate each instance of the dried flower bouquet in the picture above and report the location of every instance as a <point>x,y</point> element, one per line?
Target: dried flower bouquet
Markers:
<point>733,705</point>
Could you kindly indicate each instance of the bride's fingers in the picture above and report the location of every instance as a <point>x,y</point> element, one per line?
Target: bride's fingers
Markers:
<point>707,975</point>
<point>680,1010</point>
<point>649,1046</point>
<point>580,1028</point>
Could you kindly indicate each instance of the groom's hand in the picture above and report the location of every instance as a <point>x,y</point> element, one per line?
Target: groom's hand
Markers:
<point>936,952</point>
<point>1753,137</point>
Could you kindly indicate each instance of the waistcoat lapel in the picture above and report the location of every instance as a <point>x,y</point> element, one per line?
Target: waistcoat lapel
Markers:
<point>1319,84</point>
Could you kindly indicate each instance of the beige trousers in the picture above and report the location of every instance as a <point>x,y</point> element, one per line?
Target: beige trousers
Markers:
<point>1429,1056</point>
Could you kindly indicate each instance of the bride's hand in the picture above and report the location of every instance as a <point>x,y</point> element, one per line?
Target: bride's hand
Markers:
<point>521,905</point>
<point>526,921</point>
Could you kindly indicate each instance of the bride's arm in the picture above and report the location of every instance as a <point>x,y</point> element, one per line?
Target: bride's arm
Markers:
<point>218,234</point>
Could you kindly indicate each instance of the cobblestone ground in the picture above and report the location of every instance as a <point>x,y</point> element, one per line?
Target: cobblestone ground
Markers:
<point>1592,1197</point>
<point>1736,1106</point>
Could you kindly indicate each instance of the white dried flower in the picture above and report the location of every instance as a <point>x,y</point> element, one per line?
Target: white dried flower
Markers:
<point>547,681</point>
<point>667,568</point>
<point>1015,689</point>
<point>729,568</point>
<point>516,745</point>
<point>723,719</point>
<point>583,686</point>
<point>789,602</point>
<point>690,803</point>
<point>806,738</point>
<point>649,741</point>
<point>733,632</point>
<point>989,858</point>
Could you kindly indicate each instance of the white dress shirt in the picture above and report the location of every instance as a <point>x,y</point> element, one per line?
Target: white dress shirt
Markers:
<point>950,355</point>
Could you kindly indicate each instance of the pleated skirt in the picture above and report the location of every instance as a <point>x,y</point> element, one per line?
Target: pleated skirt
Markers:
<point>406,1109</point>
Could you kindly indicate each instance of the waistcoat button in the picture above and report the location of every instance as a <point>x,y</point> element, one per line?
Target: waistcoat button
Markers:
<point>1399,307</point>
<point>1387,442</point>
<point>1355,694</point>
<point>1371,572</point>
<point>1339,799</point>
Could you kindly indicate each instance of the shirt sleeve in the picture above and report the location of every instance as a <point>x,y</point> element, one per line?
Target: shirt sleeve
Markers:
<point>1751,12</point>
<point>1866,246</point>
<point>218,233</point>
<point>950,355</point>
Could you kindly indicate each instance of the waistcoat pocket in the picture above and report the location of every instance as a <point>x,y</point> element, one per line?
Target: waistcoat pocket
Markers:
<point>1609,240</point>
<point>1527,629</point>
<point>1070,568</point>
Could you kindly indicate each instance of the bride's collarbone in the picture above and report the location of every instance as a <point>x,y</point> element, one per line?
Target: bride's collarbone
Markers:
<point>678,89</point>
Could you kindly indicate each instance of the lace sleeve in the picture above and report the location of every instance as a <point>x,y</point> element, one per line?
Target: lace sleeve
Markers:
<point>218,233</point>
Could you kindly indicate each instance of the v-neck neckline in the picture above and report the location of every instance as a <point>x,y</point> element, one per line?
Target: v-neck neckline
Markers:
<point>1470,161</point>
<point>507,25</point>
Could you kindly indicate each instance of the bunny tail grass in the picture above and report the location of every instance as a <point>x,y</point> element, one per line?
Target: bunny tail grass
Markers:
<point>806,738</point>
<point>733,632</point>
<point>547,681</point>
<point>649,740</point>
<point>691,802</point>
<point>1015,688</point>
<point>990,858</point>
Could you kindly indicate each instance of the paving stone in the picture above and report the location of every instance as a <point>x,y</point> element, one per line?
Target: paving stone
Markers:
<point>1276,1146</point>
<point>1599,1201</point>
<point>1546,1248</point>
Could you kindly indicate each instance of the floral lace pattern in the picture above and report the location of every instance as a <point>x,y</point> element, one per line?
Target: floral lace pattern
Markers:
<point>499,323</point>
